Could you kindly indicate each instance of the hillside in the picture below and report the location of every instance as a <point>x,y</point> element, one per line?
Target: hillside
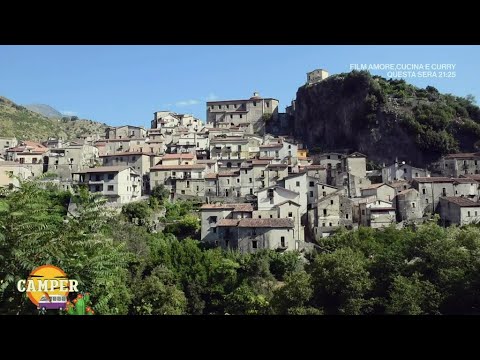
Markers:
<point>384,119</point>
<point>16,120</point>
<point>45,110</point>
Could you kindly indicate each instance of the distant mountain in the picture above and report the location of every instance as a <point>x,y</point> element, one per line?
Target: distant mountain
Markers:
<point>18,121</point>
<point>45,110</point>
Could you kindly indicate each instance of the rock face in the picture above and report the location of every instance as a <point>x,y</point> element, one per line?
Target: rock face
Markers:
<point>358,112</point>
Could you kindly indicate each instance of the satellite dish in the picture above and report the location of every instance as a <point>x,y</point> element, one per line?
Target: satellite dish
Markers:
<point>403,162</point>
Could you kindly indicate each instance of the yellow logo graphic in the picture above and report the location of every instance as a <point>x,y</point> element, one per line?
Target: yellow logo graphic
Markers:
<point>47,287</point>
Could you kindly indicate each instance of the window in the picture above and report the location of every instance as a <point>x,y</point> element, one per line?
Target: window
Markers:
<point>110,188</point>
<point>188,183</point>
<point>331,202</point>
<point>323,224</point>
<point>251,191</point>
<point>363,212</point>
<point>241,116</point>
<point>416,174</point>
<point>324,212</point>
<point>468,213</point>
<point>254,244</point>
<point>183,192</point>
<point>282,241</point>
<point>238,180</point>
<point>346,216</point>
<point>214,230</point>
<point>231,116</point>
<point>475,162</point>
<point>405,170</point>
<point>277,154</point>
<point>134,158</point>
<point>444,192</point>
<point>298,183</point>
<point>329,224</point>
<point>246,171</point>
<point>22,161</point>
<point>424,191</point>
<point>289,146</point>
<point>426,200</point>
<point>98,188</point>
<point>311,193</point>
<point>324,193</point>
<point>323,187</point>
<point>311,184</point>
<point>259,216</point>
<point>267,104</point>
<point>174,173</point>
<point>271,216</point>
<point>475,213</point>
<point>228,181</point>
<point>198,189</point>
<point>328,156</point>
<point>413,205</point>
<point>34,160</point>
<point>250,180</point>
<point>290,214</point>
<point>219,106</point>
<point>110,176</point>
<point>254,103</point>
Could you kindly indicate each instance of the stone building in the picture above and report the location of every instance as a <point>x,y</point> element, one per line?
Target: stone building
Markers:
<point>401,171</point>
<point>408,205</point>
<point>249,112</point>
<point>180,180</point>
<point>10,171</point>
<point>316,76</point>
<point>454,165</point>
<point>377,214</point>
<point>459,211</point>
<point>125,132</point>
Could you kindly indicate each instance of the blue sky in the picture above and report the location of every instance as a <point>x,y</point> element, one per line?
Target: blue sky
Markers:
<point>126,84</point>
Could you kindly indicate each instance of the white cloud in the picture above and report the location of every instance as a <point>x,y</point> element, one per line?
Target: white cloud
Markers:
<point>68,113</point>
<point>211,97</point>
<point>187,102</point>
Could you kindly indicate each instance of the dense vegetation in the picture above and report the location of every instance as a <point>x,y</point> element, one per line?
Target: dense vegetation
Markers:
<point>440,123</point>
<point>16,120</point>
<point>130,270</point>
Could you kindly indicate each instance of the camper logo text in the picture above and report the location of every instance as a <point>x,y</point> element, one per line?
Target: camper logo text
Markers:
<point>47,287</point>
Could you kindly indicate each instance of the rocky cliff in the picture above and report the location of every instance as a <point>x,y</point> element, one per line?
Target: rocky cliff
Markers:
<point>384,119</point>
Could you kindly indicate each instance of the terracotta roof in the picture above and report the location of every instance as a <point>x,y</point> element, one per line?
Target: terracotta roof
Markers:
<point>254,223</point>
<point>269,223</point>
<point>463,155</point>
<point>283,166</point>
<point>211,176</point>
<point>278,187</point>
<point>260,162</point>
<point>292,175</point>
<point>178,156</point>
<point>178,167</point>
<point>434,179</point>
<point>266,158</point>
<point>227,222</point>
<point>103,169</point>
<point>206,161</point>
<point>473,176</point>
<point>128,153</point>
<point>465,181</point>
<point>123,139</point>
<point>461,201</point>
<point>234,207</point>
<point>381,208</point>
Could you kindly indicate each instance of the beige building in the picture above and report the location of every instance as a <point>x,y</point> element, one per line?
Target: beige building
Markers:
<point>381,191</point>
<point>377,214</point>
<point>316,76</point>
<point>459,211</point>
<point>30,154</point>
<point>119,184</point>
<point>236,113</point>
<point>454,165</point>
<point>401,171</point>
<point>408,205</point>
<point>65,160</point>
<point>251,235</point>
<point>6,143</point>
<point>187,180</point>
<point>177,159</point>
<point>10,171</point>
<point>431,189</point>
<point>125,132</point>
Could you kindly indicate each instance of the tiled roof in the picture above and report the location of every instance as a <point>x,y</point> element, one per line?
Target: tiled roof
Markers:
<point>178,167</point>
<point>206,161</point>
<point>461,201</point>
<point>473,176</point>
<point>463,156</point>
<point>211,176</point>
<point>229,173</point>
<point>287,201</point>
<point>433,179</point>
<point>102,169</point>
<point>260,162</point>
<point>255,223</point>
<point>407,191</point>
<point>188,156</point>
<point>233,207</point>
<point>315,167</point>
<point>128,153</point>
<point>375,186</point>
<point>465,181</point>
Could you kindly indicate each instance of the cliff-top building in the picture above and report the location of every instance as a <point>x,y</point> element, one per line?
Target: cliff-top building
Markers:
<point>242,113</point>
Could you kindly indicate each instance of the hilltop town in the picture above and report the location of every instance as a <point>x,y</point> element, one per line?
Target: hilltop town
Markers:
<point>258,188</point>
